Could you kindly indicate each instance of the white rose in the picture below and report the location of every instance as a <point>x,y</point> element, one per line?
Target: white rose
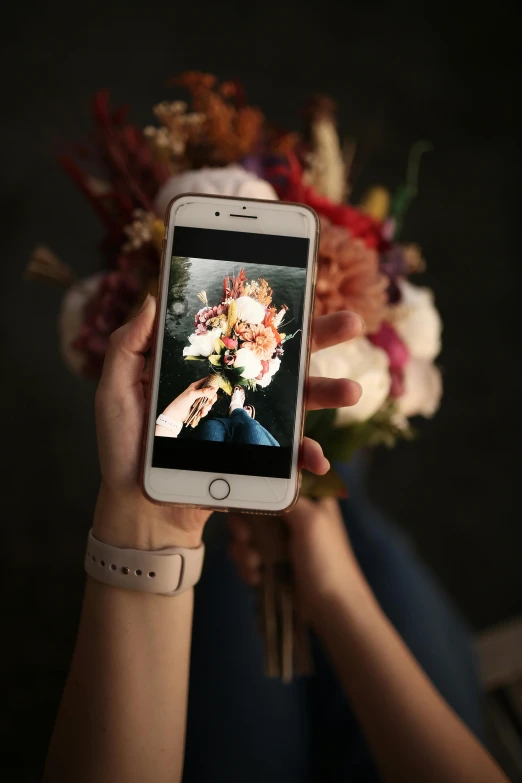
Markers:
<point>273,367</point>
<point>247,309</point>
<point>422,389</point>
<point>418,321</point>
<point>251,364</point>
<point>363,362</point>
<point>201,344</point>
<point>72,317</point>
<point>231,180</point>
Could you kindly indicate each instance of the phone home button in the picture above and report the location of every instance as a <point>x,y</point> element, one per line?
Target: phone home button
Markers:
<point>219,489</point>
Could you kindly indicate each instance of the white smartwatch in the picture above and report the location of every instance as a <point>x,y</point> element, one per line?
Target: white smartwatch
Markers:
<point>165,572</point>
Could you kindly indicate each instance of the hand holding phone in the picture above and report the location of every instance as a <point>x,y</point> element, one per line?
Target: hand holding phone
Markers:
<point>124,516</point>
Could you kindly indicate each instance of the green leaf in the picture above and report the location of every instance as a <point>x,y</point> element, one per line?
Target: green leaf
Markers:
<point>219,345</point>
<point>344,442</point>
<point>327,486</point>
<point>225,384</point>
<point>407,192</point>
<point>215,360</point>
<point>288,337</point>
<point>318,423</point>
<point>194,359</point>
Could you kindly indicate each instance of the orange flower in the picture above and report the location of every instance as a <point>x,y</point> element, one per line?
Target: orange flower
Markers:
<point>262,343</point>
<point>269,323</point>
<point>244,331</point>
<point>349,278</point>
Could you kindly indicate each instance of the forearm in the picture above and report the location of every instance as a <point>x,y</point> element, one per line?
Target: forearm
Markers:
<point>413,733</point>
<point>123,711</point>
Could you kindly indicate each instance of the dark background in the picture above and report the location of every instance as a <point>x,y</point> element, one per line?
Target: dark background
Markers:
<point>400,72</point>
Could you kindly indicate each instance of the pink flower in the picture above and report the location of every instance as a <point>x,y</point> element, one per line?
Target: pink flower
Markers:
<point>388,339</point>
<point>230,343</point>
<point>397,384</point>
<point>261,341</point>
<point>265,366</point>
<point>229,358</point>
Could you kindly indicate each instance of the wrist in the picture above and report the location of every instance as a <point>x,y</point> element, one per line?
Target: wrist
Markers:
<point>129,520</point>
<point>344,605</point>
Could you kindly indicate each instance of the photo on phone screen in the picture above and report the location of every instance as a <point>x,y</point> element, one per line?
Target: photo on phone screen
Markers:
<point>232,329</point>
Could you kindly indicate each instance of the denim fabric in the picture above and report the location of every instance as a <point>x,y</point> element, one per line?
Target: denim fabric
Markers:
<point>239,427</point>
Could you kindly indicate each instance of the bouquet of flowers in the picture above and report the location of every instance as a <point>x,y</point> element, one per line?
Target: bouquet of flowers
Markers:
<point>219,144</point>
<point>239,337</point>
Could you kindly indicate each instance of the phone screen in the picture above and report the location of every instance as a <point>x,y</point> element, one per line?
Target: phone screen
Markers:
<point>231,352</point>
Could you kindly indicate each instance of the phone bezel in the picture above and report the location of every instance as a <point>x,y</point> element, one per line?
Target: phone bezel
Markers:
<point>190,488</point>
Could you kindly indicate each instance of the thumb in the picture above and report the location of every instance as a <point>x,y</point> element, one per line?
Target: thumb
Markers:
<point>124,359</point>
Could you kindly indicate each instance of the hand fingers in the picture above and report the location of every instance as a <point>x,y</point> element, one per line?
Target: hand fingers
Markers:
<point>199,384</point>
<point>247,560</point>
<point>331,507</point>
<point>239,529</point>
<point>124,359</point>
<point>332,393</point>
<point>335,328</point>
<point>207,393</point>
<point>303,512</point>
<point>312,457</point>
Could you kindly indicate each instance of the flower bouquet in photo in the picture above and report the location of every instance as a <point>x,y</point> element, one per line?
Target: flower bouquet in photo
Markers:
<point>239,337</point>
<point>216,143</point>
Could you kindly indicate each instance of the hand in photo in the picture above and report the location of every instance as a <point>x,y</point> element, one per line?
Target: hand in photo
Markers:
<point>179,409</point>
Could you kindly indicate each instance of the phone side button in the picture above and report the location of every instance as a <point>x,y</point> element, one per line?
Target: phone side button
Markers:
<point>219,489</point>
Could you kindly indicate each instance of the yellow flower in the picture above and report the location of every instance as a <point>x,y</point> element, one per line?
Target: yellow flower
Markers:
<point>231,320</point>
<point>157,231</point>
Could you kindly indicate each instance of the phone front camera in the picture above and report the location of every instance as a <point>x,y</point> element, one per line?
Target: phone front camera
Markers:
<point>217,214</point>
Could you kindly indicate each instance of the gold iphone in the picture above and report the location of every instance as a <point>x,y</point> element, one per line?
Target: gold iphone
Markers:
<point>231,354</point>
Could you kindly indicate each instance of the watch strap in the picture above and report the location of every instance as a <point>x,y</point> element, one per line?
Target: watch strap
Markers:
<point>169,424</point>
<point>168,571</point>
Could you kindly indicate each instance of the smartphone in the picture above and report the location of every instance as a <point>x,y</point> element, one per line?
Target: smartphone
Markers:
<point>231,352</point>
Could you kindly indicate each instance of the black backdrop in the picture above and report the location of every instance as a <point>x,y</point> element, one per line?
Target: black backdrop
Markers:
<point>400,73</point>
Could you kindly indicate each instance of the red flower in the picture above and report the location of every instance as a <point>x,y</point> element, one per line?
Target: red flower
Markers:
<point>230,343</point>
<point>287,179</point>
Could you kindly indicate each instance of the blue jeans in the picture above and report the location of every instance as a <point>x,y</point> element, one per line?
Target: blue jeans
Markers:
<point>242,726</point>
<point>238,428</point>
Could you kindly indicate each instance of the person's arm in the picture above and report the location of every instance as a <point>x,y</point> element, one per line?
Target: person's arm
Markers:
<point>179,408</point>
<point>123,711</point>
<point>413,733</point>
<point>122,715</point>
